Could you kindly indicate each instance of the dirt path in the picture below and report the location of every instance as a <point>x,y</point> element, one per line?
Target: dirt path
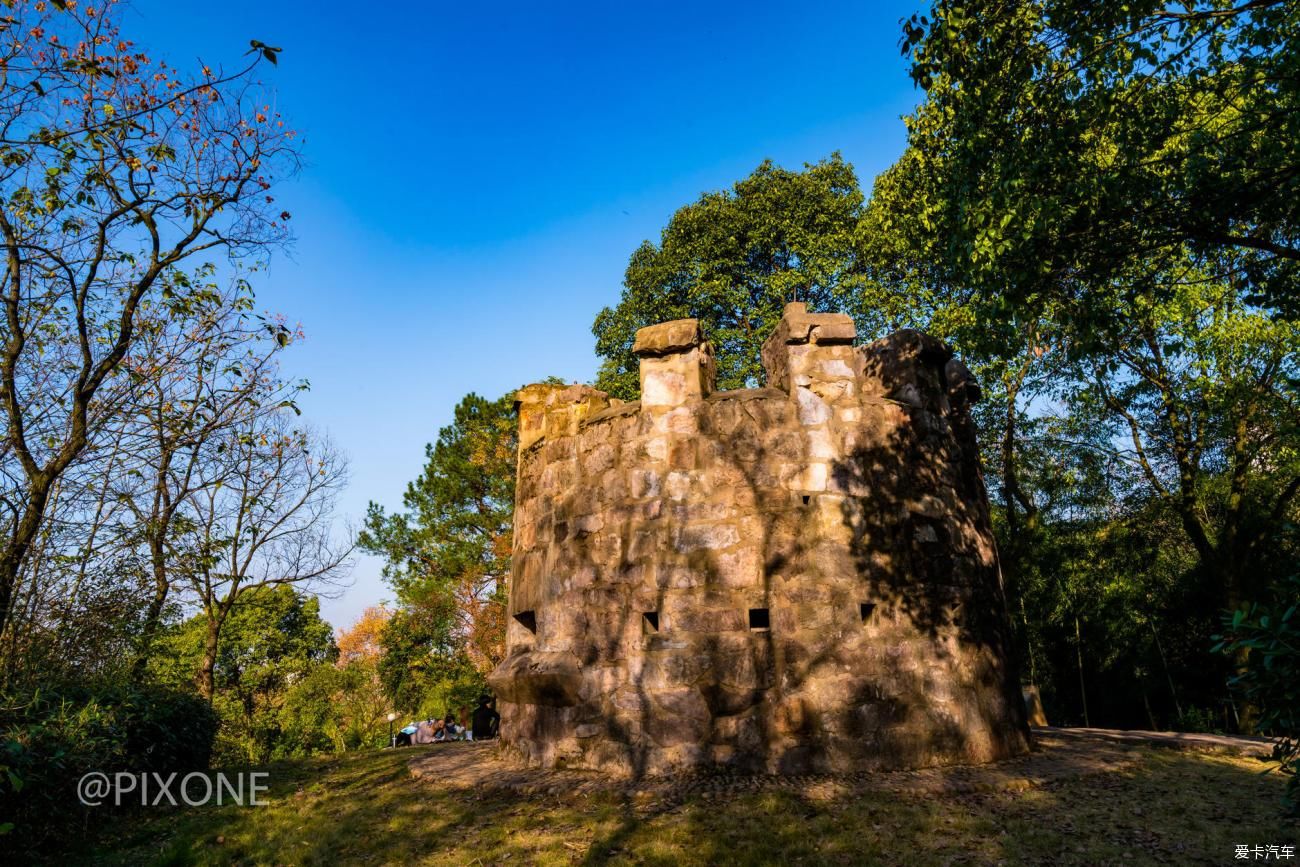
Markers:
<point>1233,745</point>
<point>1058,755</point>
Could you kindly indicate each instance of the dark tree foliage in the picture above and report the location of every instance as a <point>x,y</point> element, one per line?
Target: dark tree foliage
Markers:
<point>1270,631</point>
<point>52,736</point>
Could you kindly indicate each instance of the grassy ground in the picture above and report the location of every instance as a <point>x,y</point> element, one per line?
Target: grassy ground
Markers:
<point>1170,807</point>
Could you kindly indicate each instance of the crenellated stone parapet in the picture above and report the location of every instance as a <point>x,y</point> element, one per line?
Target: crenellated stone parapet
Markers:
<point>793,578</point>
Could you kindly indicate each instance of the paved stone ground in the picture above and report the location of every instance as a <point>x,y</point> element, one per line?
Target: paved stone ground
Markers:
<point>1059,754</point>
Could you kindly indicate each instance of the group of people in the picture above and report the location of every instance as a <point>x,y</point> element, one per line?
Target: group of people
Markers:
<point>484,722</point>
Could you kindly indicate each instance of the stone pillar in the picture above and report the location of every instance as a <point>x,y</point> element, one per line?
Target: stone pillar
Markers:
<point>911,367</point>
<point>809,348</point>
<point>676,363</point>
<point>810,356</point>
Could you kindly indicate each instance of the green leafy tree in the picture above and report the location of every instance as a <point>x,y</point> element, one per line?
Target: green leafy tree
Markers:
<point>341,707</point>
<point>732,260</point>
<point>272,639</point>
<point>448,555</point>
<point>1064,146</point>
<point>334,709</point>
<point>1178,415</point>
<point>426,669</point>
<point>1097,207</point>
<point>1203,391</point>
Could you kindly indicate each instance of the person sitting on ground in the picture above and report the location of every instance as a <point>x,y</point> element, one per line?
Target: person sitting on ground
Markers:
<point>484,722</point>
<point>423,733</point>
<point>453,730</point>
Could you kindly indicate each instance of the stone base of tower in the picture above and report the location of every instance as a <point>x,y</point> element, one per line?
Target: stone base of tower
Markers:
<point>792,579</point>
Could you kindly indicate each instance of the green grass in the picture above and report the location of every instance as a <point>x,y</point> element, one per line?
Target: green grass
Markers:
<point>1169,807</point>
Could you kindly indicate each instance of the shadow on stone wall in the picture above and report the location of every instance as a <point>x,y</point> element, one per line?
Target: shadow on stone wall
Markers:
<point>931,681</point>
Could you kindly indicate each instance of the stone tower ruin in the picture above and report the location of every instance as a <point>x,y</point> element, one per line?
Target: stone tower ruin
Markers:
<point>790,579</point>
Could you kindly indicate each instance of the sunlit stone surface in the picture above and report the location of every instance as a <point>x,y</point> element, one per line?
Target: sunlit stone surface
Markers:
<point>798,578</point>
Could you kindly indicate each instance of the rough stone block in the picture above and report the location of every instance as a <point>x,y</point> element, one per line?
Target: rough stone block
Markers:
<point>739,568</point>
<point>812,408</point>
<point>666,338</point>
<point>709,536</point>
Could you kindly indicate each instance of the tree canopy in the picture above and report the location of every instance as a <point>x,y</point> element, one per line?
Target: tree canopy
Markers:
<point>448,555</point>
<point>1064,147</point>
<point>272,639</point>
<point>1097,207</point>
<point>733,259</point>
<point>116,171</point>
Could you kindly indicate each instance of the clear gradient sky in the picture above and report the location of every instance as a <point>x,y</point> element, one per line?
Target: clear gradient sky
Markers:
<point>478,175</point>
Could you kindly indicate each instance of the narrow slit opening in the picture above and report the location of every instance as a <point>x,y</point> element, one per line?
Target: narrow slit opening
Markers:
<point>806,499</point>
<point>650,620</point>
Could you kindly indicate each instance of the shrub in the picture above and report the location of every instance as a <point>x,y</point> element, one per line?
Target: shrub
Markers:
<point>1198,719</point>
<point>49,739</point>
<point>1269,637</point>
<point>334,709</point>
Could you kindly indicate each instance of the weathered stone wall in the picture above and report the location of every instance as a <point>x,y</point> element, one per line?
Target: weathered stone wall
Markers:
<point>788,579</point>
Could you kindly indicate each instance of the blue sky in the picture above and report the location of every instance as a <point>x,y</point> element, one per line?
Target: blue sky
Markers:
<point>477,176</point>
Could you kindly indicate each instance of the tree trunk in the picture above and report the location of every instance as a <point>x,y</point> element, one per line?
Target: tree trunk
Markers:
<point>1235,595</point>
<point>153,615</point>
<point>1146,704</point>
<point>1011,561</point>
<point>17,546</point>
<point>1164,663</point>
<point>1078,656</point>
<point>204,680</point>
<point>1029,640</point>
